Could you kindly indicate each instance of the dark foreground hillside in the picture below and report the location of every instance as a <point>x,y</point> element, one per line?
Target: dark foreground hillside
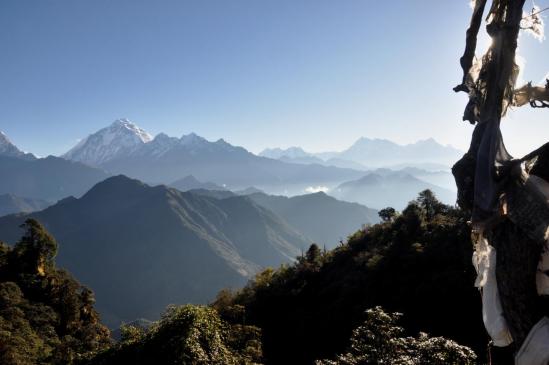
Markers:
<point>46,316</point>
<point>141,248</point>
<point>417,263</point>
<point>332,308</point>
<point>326,306</point>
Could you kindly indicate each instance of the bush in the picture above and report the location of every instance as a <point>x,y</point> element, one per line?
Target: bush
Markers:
<point>419,264</point>
<point>186,335</point>
<point>379,340</point>
<point>46,316</point>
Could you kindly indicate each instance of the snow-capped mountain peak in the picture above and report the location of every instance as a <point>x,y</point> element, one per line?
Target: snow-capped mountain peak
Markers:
<point>160,145</point>
<point>124,123</point>
<point>4,139</point>
<point>191,139</point>
<point>123,143</point>
<point>119,139</point>
<point>7,148</point>
<point>290,152</point>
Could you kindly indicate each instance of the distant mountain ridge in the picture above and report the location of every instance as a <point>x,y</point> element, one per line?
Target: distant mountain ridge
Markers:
<point>372,153</point>
<point>143,247</point>
<point>124,148</point>
<point>49,179</point>
<point>300,156</point>
<point>383,188</point>
<point>380,152</point>
<point>40,179</point>
<point>322,218</point>
<point>319,217</point>
<point>165,159</point>
<point>120,138</point>
<point>192,183</point>
<point>290,152</point>
<point>10,204</point>
<point>8,149</point>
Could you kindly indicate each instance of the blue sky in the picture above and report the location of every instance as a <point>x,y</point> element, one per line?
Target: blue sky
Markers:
<point>258,73</point>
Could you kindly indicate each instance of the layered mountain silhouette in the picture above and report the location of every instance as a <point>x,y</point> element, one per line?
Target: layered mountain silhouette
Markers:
<point>441,177</point>
<point>385,188</point>
<point>381,152</point>
<point>322,218</point>
<point>249,190</point>
<point>217,194</point>
<point>121,138</point>
<point>124,148</point>
<point>10,203</point>
<point>300,156</point>
<point>290,152</point>
<point>41,179</point>
<point>49,179</point>
<point>141,247</point>
<point>8,149</point>
<point>374,153</point>
<point>192,183</point>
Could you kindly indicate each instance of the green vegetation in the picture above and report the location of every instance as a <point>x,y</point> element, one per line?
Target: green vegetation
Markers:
<point>326,308</point>
<point>186,335</point>
<point>387,214</point>
<point>141,248</point>
<point>379,341</point>
<point>417,263</point>
<point>46,316</point>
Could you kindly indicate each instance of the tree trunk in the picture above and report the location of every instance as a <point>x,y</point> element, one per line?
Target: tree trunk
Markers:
<point>486,175</point>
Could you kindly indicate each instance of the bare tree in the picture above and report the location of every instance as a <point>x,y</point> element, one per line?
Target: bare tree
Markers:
<point>505,196</point>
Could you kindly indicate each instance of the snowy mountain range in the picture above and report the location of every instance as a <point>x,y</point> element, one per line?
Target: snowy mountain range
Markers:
<point>124,140</point>
<point>290,152</point>
<point>124,148</point>
<point>192,183</point>
<point>120,138</point>
<point>8,149</point>
<point>368,153</point>
<point>383,188</point>
<point>45,179</point>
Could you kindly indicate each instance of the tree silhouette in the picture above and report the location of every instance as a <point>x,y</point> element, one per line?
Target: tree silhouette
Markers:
<point>507,211</point>
<point>387,214</point>
<point>37,247</point>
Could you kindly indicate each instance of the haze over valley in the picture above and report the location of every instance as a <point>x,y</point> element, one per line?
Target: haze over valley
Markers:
<point>124,148</point>
<point>209,205</point>
<point>272,182</point>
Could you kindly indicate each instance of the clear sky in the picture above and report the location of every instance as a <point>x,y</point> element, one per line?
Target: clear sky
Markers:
<point>258,73</point>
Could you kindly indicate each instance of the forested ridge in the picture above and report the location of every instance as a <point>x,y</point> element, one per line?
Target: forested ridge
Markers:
<point>46,316</point>
<point>416,263</point>
<point>331,307</point>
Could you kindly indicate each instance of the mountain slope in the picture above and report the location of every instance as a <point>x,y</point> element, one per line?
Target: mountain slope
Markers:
<point>165,159</point>
<point>10,203</point>
<point>221,163</point>
<point>120,138</point>
<point>143,247</point>
<point>380,152</point>
<point>217,194</point>
<point>324,219</point>
<point>49,178</point>
<point>388,188</point>
<point>367,152</point>
<point>442,178</point>
<point>291,152</point>
<point>8,149</point>
<point>190,182</point>
<point>418,265</point>
<point>298,155</point>
<point>46,315</point>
